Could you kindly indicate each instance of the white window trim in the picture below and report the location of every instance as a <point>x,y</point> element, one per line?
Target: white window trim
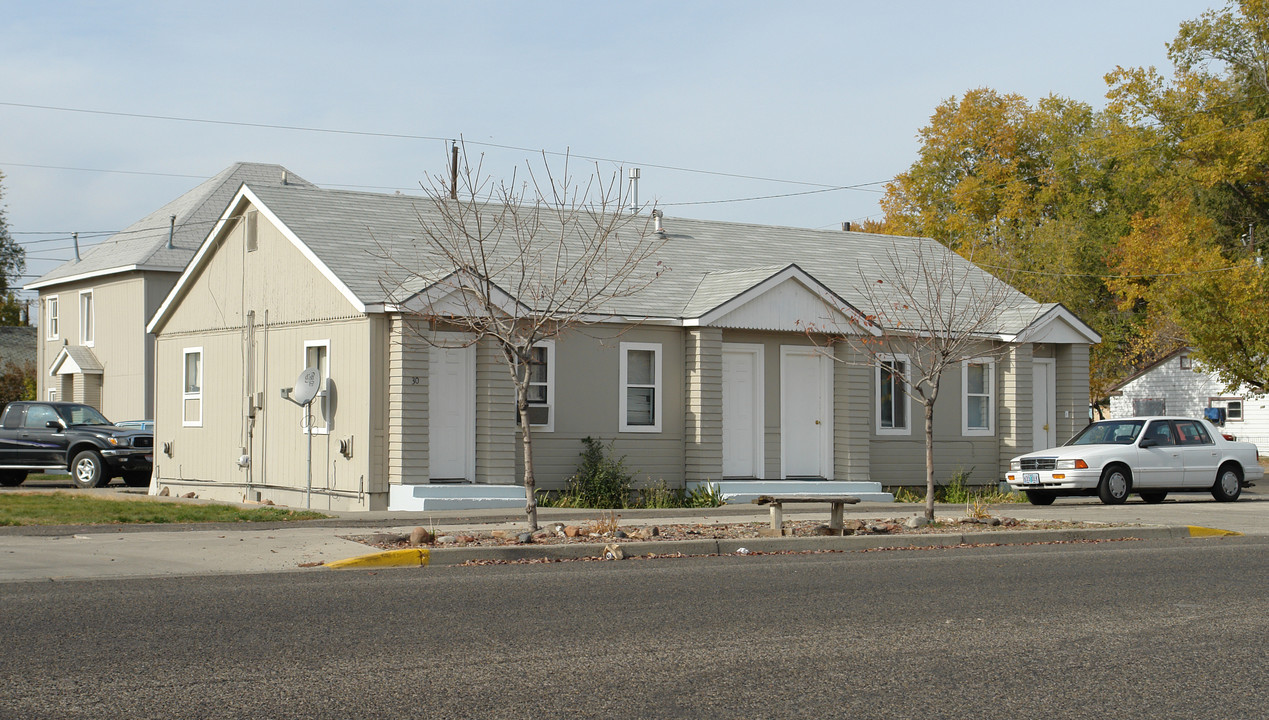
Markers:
<point>655,427</point>
<point>52,395</point>
<point>906,393</point>
<point>52,319</point>
<point>202,382</point>
<point>325,382</point>
<point>990,430</point>
<point>1224,402</point>
<point>549,426</point>
<point>83,339</point>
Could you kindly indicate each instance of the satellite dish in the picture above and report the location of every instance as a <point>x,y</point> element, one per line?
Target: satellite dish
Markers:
<point>306,386</point>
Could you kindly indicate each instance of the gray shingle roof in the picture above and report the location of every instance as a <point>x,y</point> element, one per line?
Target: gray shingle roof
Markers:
<point>144,243</point>
<point>363,238</point>
<point>17,345</point>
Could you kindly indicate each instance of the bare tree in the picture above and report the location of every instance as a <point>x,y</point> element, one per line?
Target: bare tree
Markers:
<point>518,262</point>
<point>934,310</point>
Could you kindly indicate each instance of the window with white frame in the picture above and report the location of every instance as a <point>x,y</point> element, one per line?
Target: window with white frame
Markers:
<point>1233,407</point>
<point>893,401</point>
<point>541,387</point>
<point>52,395</point>
<point>51,320</point>
<point>978,381</point>
<point>317,354</point>
<point>86,318</point>
<point>192,388</point>
<point>1186,363</point>
<point>640,387</point>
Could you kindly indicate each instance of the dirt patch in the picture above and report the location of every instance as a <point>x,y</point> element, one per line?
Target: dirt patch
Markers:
<point>608,531</point>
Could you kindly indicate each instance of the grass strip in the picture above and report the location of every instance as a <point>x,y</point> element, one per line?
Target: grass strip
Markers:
<point>61,508</point>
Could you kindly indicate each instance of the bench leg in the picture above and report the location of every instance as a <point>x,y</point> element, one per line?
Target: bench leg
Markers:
<point>835,520</point>
<point>777,516</point>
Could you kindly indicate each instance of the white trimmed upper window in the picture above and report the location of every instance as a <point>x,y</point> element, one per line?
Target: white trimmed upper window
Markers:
<point>192,388</point>
<point>541,387</point>
<point>640,387</point>
<point>978,381</point>
<point>86,318</point>
<point>51,320</point>
<point>893,402</point>
<point>317,354</point>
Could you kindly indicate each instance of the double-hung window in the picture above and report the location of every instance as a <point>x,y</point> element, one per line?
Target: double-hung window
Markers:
<point>192,381</point>
<point>317,354</point>
<point>893,401</point>
<point>51,320</point>
<point>541,386</point>
<point>978,382</point>
<point>86,318</point>
<point>640,387</point>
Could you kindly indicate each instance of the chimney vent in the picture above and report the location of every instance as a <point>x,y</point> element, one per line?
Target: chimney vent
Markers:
<point>656,219</point>
<point>846,227</point>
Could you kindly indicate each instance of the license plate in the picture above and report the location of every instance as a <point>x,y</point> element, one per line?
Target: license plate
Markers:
<point>1030,478</point>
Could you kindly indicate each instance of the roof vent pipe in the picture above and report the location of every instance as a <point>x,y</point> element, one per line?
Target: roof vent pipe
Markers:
<point>846,227</point>
<point>75,239</point>
<point>284,177</point>
<point>171,231</point>
<point>634,189</point>
<point>656,219</point>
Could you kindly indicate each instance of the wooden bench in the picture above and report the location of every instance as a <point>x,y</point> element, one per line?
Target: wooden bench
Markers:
<point>777,508</point>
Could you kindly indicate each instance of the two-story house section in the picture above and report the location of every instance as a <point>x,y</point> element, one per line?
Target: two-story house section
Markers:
<point>92,345</point>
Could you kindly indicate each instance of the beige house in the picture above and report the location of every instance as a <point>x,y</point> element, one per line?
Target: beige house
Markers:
<point>708,375</point>
<point>92,345</point>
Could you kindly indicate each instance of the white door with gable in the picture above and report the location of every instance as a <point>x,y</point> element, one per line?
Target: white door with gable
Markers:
<point>1044,404</point>
<point>451,428</point>
<point>742,410</point>
<point>806,413</point>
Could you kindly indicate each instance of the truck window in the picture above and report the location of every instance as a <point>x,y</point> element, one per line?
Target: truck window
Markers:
<point>38,416</point>
<point>13,417</point>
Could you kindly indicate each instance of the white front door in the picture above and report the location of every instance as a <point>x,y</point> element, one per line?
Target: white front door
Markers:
<point>451,428</point>
<point>806,413</point>
<point>742,410</point>
<point>1044,404</point>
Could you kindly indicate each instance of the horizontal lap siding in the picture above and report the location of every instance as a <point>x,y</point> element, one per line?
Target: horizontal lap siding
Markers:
<point>407,406</point>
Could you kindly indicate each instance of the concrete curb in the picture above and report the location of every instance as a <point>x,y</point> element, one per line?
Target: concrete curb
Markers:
<point>510,553</point>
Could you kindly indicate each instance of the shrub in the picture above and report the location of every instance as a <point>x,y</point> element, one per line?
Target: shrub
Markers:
<point>601,481</point>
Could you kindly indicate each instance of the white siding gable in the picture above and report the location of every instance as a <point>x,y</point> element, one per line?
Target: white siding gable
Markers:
<point>781,307</point>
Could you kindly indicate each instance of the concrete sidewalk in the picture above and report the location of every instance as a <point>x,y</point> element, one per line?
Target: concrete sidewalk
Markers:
<point>64,553</point>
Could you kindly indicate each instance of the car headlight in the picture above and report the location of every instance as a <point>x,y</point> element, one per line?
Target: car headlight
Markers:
<point>121,442</point>
<point>1015,464</point>
<point>1071,465</point>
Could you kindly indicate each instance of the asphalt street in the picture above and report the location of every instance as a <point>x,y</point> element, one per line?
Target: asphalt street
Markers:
<point>1124,629</point>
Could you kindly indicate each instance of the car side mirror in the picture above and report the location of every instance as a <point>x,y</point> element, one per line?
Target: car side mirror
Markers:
<point>1149,442</point>
<point>53,425</point>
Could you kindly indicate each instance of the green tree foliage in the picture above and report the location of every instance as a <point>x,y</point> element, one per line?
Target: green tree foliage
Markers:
<point>12,265</point>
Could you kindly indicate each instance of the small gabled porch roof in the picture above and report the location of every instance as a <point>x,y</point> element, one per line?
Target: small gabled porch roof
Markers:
<point>75,360</point>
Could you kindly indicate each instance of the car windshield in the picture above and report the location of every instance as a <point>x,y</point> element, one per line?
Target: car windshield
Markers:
<point>81,415</point>
<point>1109,432</point>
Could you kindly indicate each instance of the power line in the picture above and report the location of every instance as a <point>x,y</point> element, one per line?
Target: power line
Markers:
<point>408,136</point>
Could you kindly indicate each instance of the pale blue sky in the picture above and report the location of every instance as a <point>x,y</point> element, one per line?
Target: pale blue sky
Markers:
<point>809,92</point>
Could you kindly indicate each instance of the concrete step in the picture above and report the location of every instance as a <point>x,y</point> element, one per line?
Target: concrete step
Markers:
<point>743,491</point>
<point>456,496</point>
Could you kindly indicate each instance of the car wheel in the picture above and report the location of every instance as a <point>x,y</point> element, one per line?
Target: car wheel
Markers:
<point>1154,496</point>
<point>1115,484</point>
<point>12,478</point>
<point>136,479</point>
<point>1229,484</point>
<point>88,471</point>
<point>1040,497</point>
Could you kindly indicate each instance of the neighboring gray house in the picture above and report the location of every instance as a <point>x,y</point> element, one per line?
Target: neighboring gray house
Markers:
<point>1179,385</point>
<point>93,347</point>
<point>17,346</point>
<point>708,374</point>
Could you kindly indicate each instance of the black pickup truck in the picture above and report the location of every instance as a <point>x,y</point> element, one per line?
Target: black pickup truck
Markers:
<point>75,437</point>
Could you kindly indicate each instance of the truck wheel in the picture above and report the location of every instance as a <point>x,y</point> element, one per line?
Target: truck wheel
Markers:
<point>12,478</point>
<point>136,479</point>
<point>88,471</point>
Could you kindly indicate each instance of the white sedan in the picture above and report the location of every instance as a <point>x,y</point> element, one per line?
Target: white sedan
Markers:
<point>1150,456</point>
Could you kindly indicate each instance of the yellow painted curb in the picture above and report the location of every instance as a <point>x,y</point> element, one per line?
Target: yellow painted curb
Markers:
<point>413,557</point>
<point>1196,531</point>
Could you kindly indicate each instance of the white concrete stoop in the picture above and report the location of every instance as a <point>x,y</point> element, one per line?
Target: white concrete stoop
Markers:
<point>456,496</point>
<point>743,491</point>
